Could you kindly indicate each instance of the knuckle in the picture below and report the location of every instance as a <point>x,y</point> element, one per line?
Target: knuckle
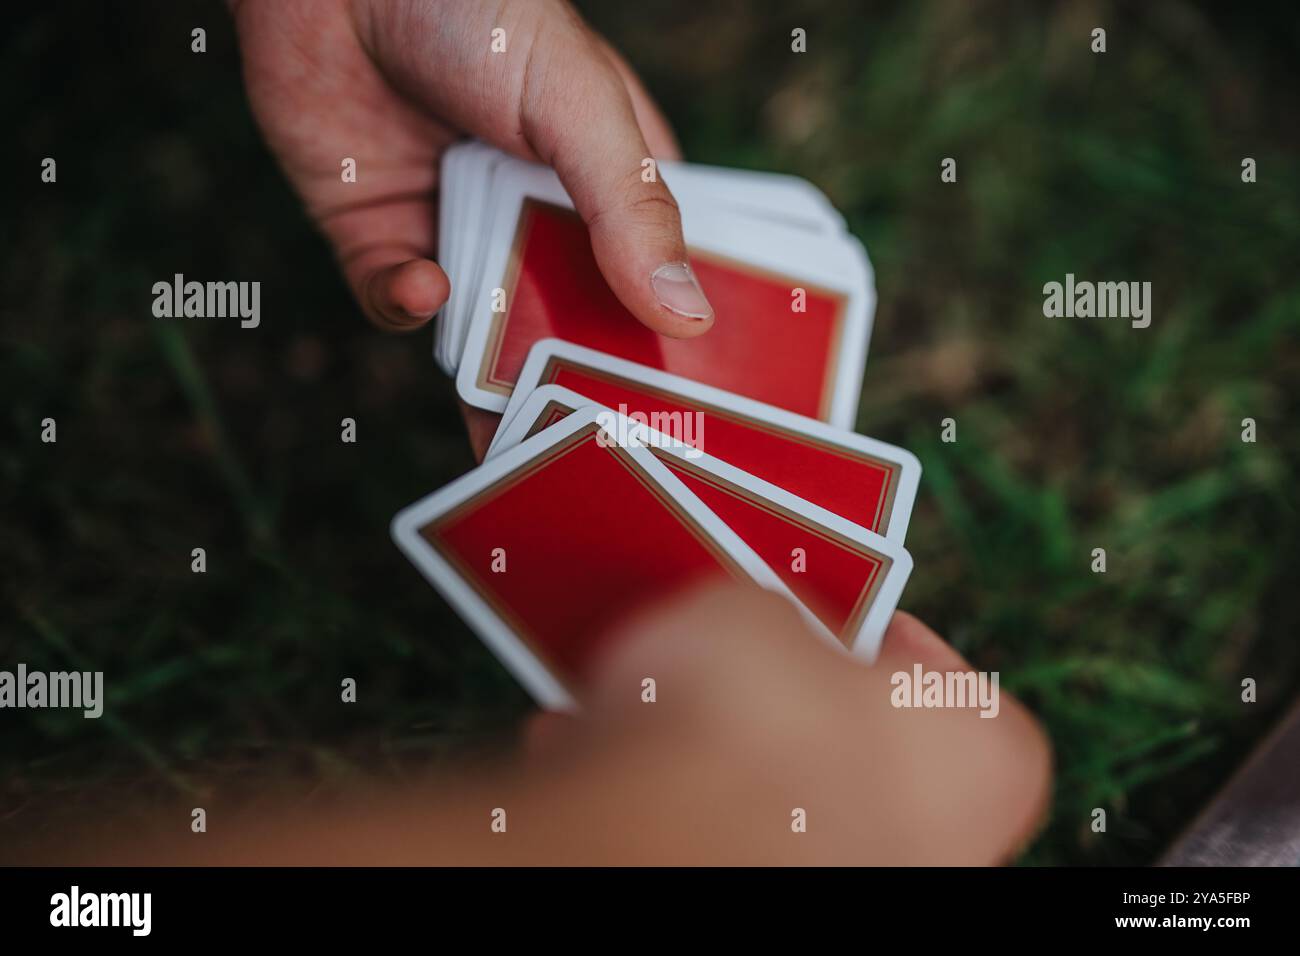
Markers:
<point>656,211</point>
<point>659,204</point>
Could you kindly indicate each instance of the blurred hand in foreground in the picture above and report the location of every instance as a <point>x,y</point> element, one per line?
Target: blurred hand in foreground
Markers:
<point>754,717</point>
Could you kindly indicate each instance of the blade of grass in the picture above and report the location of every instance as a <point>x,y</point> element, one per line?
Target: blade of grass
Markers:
<point>194,383</point>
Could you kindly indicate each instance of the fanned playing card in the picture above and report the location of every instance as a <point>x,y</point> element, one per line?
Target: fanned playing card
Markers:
<point>543,549</point>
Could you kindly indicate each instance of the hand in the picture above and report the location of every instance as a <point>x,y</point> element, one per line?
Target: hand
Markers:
<point>753,717</point>
<point>756,716</point>
<point>392,83</point>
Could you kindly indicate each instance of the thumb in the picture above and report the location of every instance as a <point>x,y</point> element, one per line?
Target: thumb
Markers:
<point>579,119</point>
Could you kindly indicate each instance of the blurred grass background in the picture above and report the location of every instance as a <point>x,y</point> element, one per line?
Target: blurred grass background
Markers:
<point>1073,434</point>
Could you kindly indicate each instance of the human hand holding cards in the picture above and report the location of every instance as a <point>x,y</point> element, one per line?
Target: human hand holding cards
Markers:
<point>768,253</point>
<point>631,462</point>
<point>734,298</point>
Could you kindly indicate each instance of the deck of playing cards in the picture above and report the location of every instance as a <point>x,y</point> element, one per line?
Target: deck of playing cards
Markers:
<point>629,464</point>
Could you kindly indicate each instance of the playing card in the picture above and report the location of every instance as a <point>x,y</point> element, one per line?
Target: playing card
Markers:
<point>544,548</point>
<point>468,180</point>
<point>849,578</point>
<point>868,482</point>
<point>793,307</point>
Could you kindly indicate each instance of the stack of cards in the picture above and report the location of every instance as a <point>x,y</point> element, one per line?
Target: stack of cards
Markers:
<point>793,292</point>
<point>629,465</point>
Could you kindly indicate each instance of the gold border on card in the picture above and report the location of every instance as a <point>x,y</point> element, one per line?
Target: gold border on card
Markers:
<point>547,418</point>
<point>498,321</point>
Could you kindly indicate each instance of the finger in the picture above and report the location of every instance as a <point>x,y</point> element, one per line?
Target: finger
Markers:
<point>579,118</point>
<point>385,249</point>
<point>908,641</point>
<point>546,734</point>
<point>1010,751</point>
<point>654,125</point>
<point>744,666</point>
<point>399,293</point>
<point>363,159</point>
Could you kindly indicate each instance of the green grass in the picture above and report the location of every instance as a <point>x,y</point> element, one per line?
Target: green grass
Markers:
<point>1072,434</point>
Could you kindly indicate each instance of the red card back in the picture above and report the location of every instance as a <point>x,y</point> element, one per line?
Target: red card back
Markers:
<point>757,347</point>
<point>585,535</point>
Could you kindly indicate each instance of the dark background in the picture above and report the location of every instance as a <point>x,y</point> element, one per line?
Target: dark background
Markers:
<point>1073,434</point>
